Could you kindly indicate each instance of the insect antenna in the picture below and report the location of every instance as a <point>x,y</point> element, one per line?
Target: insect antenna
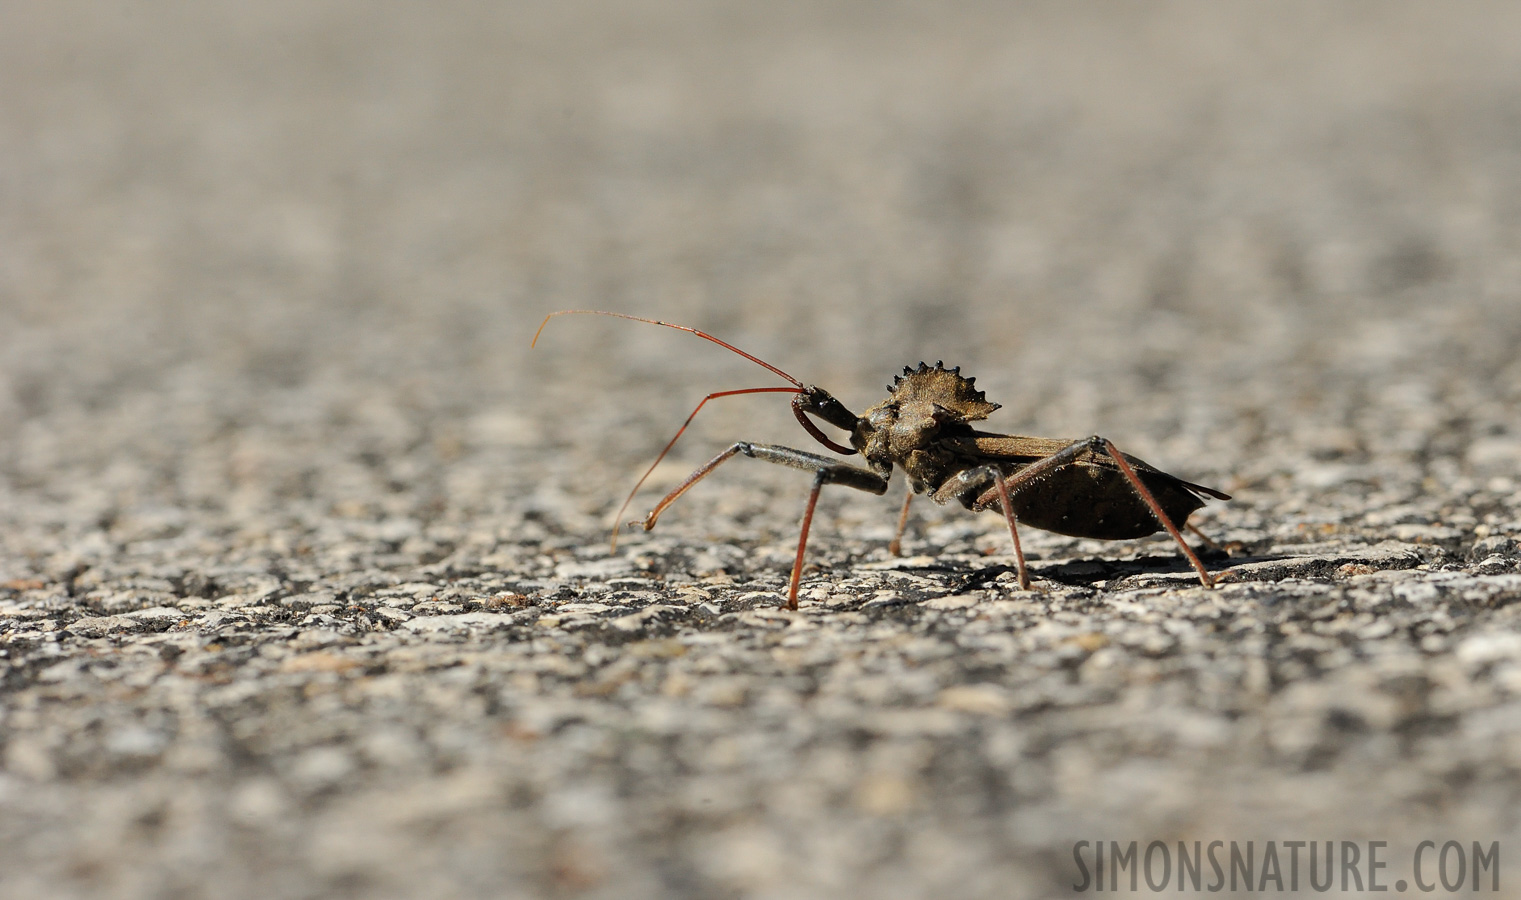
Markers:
<point>617,520</point>
<point>689,330</point>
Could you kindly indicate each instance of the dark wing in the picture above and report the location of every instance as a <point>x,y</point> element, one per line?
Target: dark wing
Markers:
<point>1088,497</point>
<point>1020,449</point>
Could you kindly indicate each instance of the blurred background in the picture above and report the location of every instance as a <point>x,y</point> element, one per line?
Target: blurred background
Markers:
<point>267,267</point>
<point>1207,228</point>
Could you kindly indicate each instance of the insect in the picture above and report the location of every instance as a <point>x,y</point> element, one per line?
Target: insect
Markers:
<point>1085,488</point>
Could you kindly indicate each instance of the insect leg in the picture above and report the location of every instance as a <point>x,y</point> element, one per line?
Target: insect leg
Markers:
<point>679,432</point>
<point>1156,508</point>
<point>1211,542</point>
<point>1096,444</point>
<point>896,547</point>
<point>969,482</point>
<point>826,471</point>
<point>1008,514</point>
<point>974,479</point>
<point>802,539</point>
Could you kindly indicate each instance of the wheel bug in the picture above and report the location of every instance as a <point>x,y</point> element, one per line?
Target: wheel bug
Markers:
<point>1086,488</point>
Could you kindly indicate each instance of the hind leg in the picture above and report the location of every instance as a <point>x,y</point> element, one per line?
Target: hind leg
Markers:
<point>1098,445</point>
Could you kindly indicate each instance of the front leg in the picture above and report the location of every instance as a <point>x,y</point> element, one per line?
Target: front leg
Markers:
<point>826,471</point>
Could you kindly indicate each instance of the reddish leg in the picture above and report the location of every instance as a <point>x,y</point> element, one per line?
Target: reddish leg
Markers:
<point>826,471</point>
<point>1211,542</point>
<point>679,432</point>
<point>1008,513</point>
<point>802,539</point>
<point>1156,509</point>
<point>1070,454</point>
<point>896,547</point>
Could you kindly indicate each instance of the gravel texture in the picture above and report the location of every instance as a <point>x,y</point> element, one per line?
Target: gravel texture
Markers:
<point>305,587</point>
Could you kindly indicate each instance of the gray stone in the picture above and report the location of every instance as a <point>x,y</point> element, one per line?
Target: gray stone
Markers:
<point>161,616</point>
<point>99,626</point>
<point>460,622</point>
<point>305,580</point>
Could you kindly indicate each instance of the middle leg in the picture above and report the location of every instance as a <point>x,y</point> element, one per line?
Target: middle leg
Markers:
<point>896,545</point>
<point>975,481</point>
<point>1097,445</point>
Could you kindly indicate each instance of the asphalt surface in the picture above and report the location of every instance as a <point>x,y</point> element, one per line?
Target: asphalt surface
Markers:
<point>305,581</point>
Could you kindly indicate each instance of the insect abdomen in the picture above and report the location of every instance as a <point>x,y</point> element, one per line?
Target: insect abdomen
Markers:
<point>1095,502</point>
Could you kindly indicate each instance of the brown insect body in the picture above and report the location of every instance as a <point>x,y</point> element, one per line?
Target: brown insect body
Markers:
<point>924,408</point>
<point>922,427</point>
<point>1093,500</point>
<point>1085,488</point>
